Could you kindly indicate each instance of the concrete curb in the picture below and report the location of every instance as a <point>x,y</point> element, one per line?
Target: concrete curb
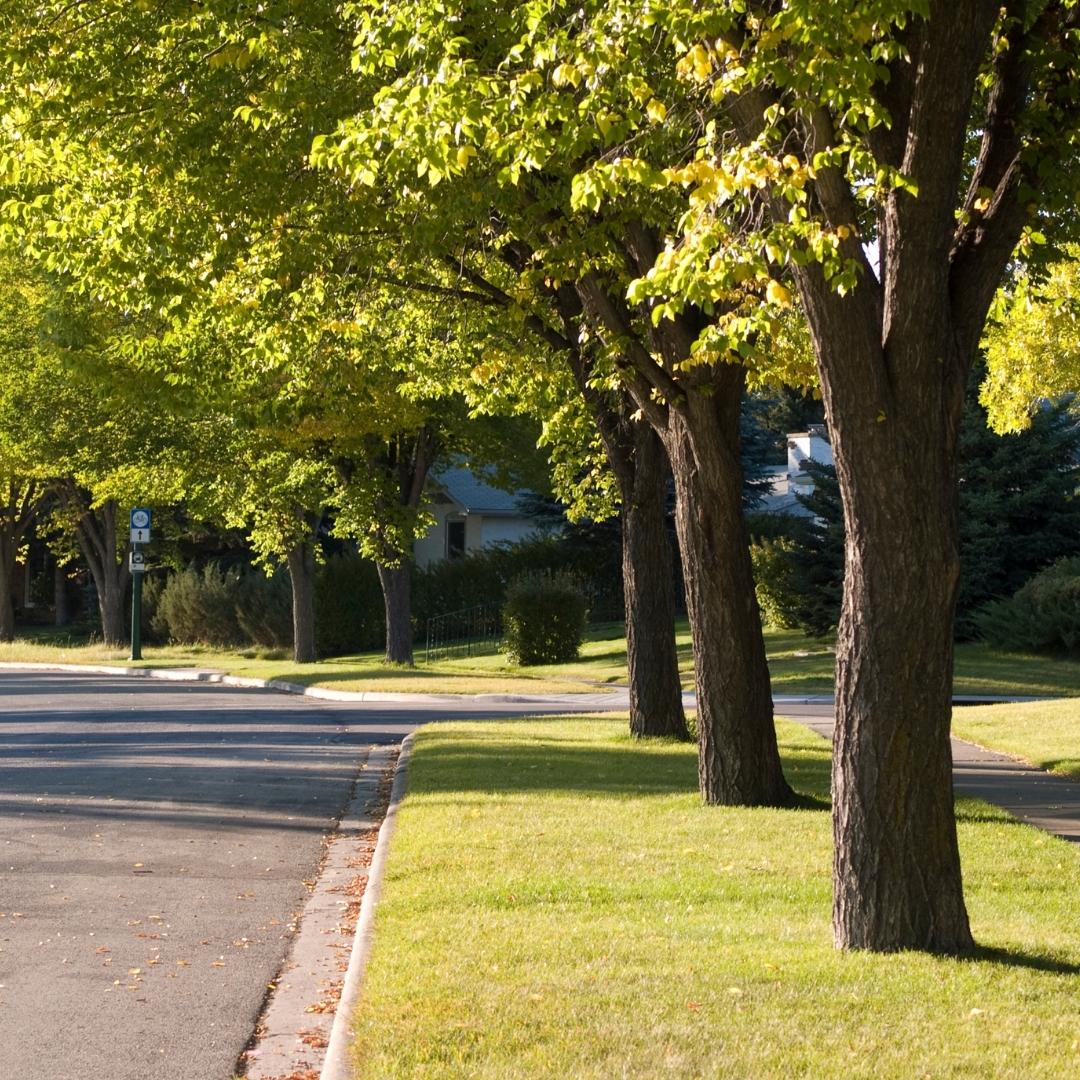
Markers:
<point>219,678</point>
<point>336,1064</point>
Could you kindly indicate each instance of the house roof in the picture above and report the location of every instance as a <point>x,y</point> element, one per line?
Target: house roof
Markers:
<point>475,496</point>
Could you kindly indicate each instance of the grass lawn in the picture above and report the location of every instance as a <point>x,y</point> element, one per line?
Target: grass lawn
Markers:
<point>804,665</point>
<point>558,903</point>
<point>365,672</point>
<point>798,664</point>
<point>1046,733</point>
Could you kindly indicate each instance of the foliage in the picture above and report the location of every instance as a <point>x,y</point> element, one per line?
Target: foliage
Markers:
<point>590,553</point>
<point>200,606</point>
<point>263,607</point>
<point>799,562</point>
<point>1033,344</point>
<point>1043,615</point>
<point>1018,512</point>
<point>543,619</point>
<point>1019,509</point>
<point>349,610</point>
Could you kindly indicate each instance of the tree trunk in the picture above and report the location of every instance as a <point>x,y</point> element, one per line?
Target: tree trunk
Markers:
<point>62,614</point>
<point>697,418</point>
<point>738,758</point>
<point>893,376</point>
<point>649,592</point>
<point>96,532</point>
<point>396,582</point>
<point>7,605</point>
<point>301,563</point>
<point>897,880</point>
<point>112,592</point>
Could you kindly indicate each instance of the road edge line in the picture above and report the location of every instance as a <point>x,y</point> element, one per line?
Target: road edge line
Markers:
<point>336,1063</point>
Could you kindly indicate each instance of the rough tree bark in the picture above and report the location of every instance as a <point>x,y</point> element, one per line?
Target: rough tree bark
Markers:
<point>97,536</point>
<point>698,423</point>
<point>738,758</point>
<point>16,516</point>
<point>894,355</point>
<point>648,589</point>
<point>405,461</point>
<point>396,582</point>
<point>301,563</point>
<point>636,456</point>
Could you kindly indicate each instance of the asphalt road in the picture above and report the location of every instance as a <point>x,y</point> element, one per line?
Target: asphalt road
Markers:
<point>154,843</point>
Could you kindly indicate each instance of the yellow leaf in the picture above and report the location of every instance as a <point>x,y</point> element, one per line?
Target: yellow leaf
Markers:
<point>657,111</point>
<point>777,294</point>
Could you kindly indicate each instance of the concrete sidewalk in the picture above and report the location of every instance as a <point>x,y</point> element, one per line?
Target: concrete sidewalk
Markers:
<point>1036,797</point>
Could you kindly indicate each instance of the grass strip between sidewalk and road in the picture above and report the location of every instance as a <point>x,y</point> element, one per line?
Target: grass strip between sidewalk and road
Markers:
<point>558,903</point>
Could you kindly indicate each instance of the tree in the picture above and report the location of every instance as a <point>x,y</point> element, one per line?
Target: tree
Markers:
<point>940,132</point>
<point>1033,344</point>
<point>501,112</point>
<point>1018,506</point>
<point>256,83</point>
<point>21,300</point>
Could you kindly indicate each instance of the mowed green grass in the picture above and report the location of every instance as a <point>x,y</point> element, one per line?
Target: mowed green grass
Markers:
<point>798,664</point>
<point>1046,733</point>
<point>558,903</point>
<point>366,672</point>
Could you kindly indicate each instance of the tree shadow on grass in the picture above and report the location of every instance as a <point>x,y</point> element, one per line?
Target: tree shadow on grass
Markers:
<point>1016,958</point>
<point>489,761</point>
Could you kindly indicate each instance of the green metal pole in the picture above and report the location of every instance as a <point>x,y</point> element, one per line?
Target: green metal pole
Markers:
<point>136,615</point>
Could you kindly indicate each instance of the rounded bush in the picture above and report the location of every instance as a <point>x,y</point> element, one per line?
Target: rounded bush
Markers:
<point>543,619</point>
<point>1043,615</point>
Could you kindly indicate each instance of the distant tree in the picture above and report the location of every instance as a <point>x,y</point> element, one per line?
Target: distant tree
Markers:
<point>1019,512</point>
<point>1019,502</point>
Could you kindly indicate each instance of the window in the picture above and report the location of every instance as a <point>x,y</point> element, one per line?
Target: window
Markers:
<point>455,538</point>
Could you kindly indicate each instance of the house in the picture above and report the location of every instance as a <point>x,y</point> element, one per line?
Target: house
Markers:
<point>791,480</point>
<point>470,514</point>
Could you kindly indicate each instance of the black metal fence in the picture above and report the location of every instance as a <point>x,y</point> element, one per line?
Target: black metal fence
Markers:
<point>473,631</point>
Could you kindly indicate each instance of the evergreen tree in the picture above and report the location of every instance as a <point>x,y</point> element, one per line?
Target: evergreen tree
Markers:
<point>1019,509</point>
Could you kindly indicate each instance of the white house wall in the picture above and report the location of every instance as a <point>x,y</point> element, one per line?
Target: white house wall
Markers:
<point>480,531</point>
<point>505,530</point>
<point>432,546</point>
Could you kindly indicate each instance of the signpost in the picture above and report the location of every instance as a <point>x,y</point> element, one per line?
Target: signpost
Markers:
<point>140,534</point>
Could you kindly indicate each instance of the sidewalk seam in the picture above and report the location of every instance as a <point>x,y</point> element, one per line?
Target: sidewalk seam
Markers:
<point>336,1062</point>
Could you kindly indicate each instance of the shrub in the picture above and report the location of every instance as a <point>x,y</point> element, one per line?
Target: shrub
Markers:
<point>263,608</point>
<point>798,571</point>
<point>1043,615</point>
<point>776,582</point>
<point>153,586</point>
<point>543,618</point>
<point>200,606</point>
<point>591,554</point>
<point>349,612</point>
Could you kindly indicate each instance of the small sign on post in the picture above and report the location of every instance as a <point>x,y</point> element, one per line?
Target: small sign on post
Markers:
<point>140,525</point>
<point>140,534</point>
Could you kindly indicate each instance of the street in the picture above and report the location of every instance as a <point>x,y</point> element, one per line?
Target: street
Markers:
<point>155,839</point>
